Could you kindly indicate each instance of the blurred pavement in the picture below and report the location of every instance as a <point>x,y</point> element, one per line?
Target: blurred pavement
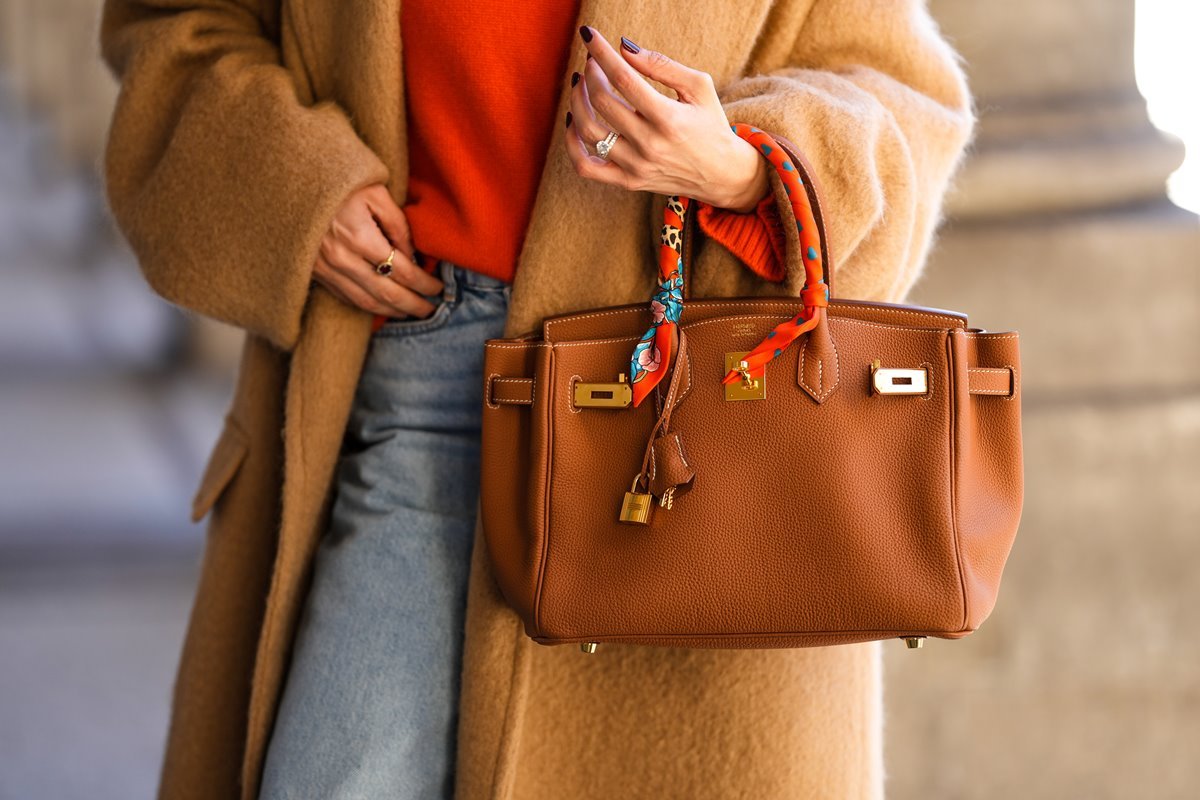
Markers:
<point>103,434</point>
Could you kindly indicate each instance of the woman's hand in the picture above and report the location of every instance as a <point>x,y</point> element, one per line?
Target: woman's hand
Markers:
<point>363,232</point>
<point>667,146</point>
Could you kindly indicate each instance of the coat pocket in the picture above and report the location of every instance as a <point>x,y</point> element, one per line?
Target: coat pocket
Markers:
<point>223,462</point>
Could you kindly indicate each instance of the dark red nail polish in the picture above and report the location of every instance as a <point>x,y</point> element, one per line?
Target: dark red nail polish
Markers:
<point>585,32</point>
<point>630,46</point>
<point>568,120</point>
<point>574,78</point>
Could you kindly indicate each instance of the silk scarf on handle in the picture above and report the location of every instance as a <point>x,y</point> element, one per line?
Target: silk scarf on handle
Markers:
<point>653,353</point>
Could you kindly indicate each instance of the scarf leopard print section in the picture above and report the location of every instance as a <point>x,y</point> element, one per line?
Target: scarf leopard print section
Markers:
<point>652,354</point>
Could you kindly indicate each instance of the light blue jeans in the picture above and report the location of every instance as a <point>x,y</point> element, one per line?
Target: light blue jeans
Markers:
<point>370,704</point>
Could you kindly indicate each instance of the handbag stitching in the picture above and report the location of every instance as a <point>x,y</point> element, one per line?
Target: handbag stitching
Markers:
<point>953,322</point>
<point>582,342</point>
<point>837,378</point>
<point>838,320</point>
<point>487,397</point>
<point>549,474</point>
<point>688,390</point>
<point>521,346</point>
<point>571,394</point>
<point>517,402</point>
<point>1015,379</point>
<point>886,327</point>
<point>953,454</point>
<point>679,449</point>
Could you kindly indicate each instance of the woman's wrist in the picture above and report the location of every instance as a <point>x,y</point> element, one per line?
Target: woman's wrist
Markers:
<point>751,179</point>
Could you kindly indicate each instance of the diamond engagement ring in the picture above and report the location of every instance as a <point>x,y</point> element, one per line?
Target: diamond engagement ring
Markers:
<point>605,145</point>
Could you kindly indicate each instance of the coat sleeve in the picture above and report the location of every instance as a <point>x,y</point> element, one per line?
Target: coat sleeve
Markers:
<point>219,173</point>
<point>879,105</point>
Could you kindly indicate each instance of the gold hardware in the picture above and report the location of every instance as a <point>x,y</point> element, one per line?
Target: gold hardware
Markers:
<point>749,388</point>
<point>891,380</point>
<point>914,642</point>
<point>743,369</point>
<point>588,647</point>
<point>603,395</point>
<point>636,506</point>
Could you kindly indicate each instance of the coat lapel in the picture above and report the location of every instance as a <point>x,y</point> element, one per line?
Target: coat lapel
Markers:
<point>587,245</point>
<point>352,43</point>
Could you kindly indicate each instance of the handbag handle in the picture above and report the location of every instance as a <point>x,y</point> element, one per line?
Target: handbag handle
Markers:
<point>652,355</point>
<point>807,179</point>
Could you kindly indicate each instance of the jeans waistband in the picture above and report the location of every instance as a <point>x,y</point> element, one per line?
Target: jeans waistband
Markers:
<point>453,275</point>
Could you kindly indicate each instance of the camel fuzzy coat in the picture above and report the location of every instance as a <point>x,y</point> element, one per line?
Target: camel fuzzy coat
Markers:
<point>243,124</point>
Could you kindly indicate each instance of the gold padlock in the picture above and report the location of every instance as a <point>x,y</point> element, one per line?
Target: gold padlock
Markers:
<point>635,508</point>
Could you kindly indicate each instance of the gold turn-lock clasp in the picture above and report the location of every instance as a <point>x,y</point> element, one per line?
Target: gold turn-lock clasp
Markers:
<point>749,388</point>
<point>892,380</point>
<point>636,507</point>
<point>603,395</point>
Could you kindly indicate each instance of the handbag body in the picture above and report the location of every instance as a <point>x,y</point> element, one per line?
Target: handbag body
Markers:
<point>866,485</point>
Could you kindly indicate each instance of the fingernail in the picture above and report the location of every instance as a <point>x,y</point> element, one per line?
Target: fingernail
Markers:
<point>574,78</point>
<point>568,124</point>
<point>630,46</point>
<point>585,32</point>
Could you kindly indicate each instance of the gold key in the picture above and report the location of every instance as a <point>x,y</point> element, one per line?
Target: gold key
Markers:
<point>635,508</point>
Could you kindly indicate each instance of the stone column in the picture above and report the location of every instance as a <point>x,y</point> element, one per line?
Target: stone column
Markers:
<point>50,56</point>
<point>1084,681</point>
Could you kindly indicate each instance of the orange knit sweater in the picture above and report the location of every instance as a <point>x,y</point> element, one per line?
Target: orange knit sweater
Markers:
<point>482,83</point>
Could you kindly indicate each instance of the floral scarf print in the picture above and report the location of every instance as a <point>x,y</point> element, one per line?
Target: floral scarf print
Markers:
<point>652,354</point>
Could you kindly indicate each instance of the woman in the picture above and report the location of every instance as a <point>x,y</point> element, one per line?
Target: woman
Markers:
<point>264,161</point>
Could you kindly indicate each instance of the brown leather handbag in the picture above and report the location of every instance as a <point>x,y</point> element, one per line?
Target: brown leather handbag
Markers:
<point>864,484</point>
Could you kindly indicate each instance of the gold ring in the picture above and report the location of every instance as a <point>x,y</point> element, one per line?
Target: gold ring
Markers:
<point>385,267</point>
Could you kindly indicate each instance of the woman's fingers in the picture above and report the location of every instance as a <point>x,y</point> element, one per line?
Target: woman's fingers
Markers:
<point>392,231</point>
<point>608,109</point>
<point>391,219</point>
<point>591,129</point>
<point>692,85</point>
<point>407,273</point>
<point>402,299</point>
<point>385,293</point>
<point>374,248</point>
<point>345,289</point>
<point>362,234</point>
<point>590,166</point>
<point>641,95</point>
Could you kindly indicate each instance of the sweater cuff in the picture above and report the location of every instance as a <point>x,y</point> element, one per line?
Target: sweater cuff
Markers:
<point>756,237</point>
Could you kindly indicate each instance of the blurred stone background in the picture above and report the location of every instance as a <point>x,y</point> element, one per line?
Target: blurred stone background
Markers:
<point>1084,683</point>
